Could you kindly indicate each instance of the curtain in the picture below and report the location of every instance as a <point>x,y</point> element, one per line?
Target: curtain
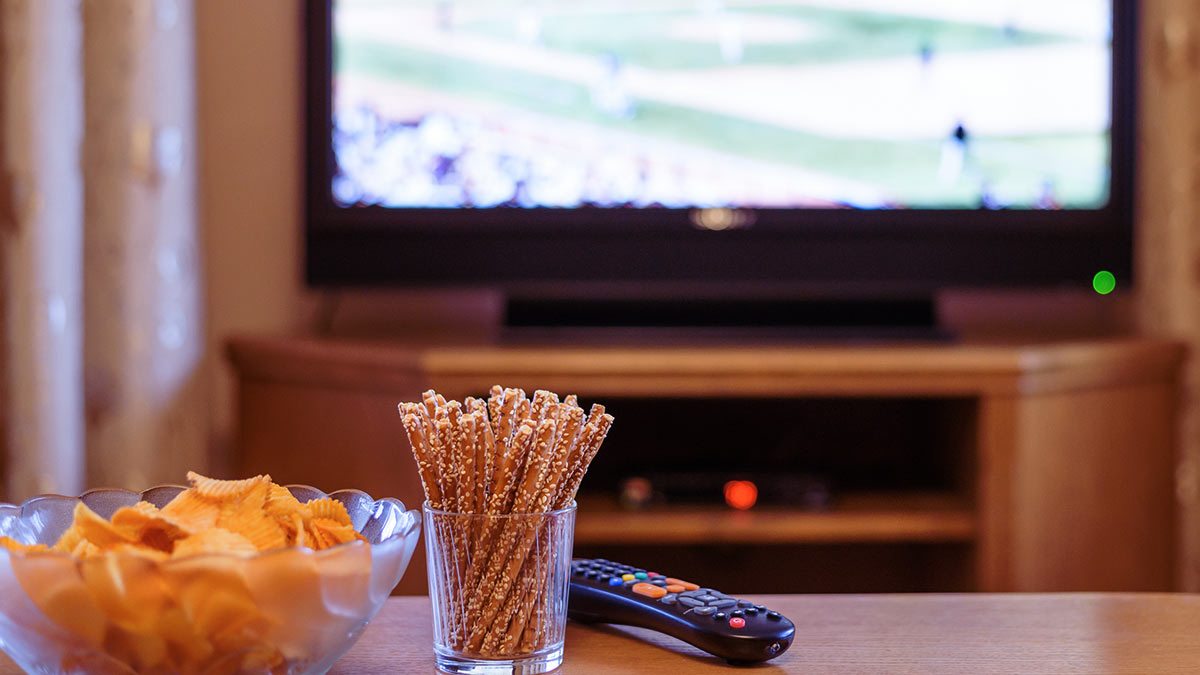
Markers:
<point>1168,260</point>
<point>41,227</point>
<point>103,313</point>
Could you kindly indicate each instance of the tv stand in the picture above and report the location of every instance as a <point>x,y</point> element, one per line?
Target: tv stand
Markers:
<point>955,467</point>
<point>809,319</point>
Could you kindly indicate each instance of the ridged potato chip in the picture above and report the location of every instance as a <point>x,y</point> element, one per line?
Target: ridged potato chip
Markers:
<point>216,540</point>
<point>329,533</point>
<point>225,490</point>
<point>192,512</point>
<point>281,502</point>
<point>330,509</point>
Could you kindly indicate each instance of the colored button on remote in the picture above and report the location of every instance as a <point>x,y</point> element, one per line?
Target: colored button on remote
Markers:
<point>640,575</point>
<point>649,590</point>
<point>628,577</point>
<point>687,585</point>
<point>737,622</point>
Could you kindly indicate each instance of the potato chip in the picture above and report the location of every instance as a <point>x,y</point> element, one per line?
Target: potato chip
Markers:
<point>330,509</point>
<point>143,650</point>
<point>184,643</point>
<point>68,540</point>
<point>216,540</point>
<point>96,529</point>
<point>53,583</point>
<point>86,549</point>
<point>326,533</point>
<point>212,592</point>
<point>224,490</point>
<point>299,536</point>
<point>262,530</point>
<point>130,590</point>
<point>192,512</point>
<point>281,502</point>
<point>147,526</point>
<point>14,545</point>
<point>142,551</point>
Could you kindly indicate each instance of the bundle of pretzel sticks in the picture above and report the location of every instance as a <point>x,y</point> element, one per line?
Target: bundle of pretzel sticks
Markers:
<point>502,456</point>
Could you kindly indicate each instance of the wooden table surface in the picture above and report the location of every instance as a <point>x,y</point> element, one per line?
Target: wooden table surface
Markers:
<point>976,633</point>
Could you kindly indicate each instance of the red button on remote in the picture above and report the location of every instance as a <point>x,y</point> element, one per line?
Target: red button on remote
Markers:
<point>737,622</point>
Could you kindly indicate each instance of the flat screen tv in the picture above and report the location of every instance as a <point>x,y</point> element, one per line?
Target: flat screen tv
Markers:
<point>840,146</point>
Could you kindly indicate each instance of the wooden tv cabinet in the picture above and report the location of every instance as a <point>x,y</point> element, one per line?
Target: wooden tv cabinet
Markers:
<point>990,467</point>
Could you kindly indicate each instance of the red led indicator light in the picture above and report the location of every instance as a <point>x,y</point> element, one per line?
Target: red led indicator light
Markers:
<point>741,494</point>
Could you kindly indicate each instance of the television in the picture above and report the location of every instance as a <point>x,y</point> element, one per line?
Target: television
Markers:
<point>815,148</point>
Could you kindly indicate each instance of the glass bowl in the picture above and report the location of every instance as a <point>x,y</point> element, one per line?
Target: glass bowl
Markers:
<point>289,610</point>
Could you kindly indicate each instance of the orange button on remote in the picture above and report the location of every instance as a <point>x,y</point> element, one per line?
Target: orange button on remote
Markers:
<point>687,585</point>
<point>649,590</point>
<point>675,588</point>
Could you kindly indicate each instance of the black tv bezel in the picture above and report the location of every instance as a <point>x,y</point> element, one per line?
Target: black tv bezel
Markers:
<point>835,250</point>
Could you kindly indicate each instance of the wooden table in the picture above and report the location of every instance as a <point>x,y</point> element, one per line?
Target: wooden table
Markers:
<point>1067,633</point>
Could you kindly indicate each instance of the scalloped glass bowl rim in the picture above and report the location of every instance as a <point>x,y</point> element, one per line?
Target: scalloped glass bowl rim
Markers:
<point>398,535</point>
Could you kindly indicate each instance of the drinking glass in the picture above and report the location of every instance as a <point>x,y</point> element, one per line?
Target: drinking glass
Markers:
<point>499,587</point>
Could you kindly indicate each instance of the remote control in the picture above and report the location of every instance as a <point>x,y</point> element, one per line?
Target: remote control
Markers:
<point>736,630</point>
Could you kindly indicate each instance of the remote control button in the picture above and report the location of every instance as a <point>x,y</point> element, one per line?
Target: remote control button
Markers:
<point>627,577</point>
<point>704,611</point>
<point>658,582</point>
<point>615,581</point>
<point>774,616</point>
<point>653,574</point>
<point>717,594</point>
<point>737,622</point>
<point>602,560</point>
<point>690,602</point>
<point>675,588</point>
<point>680,582</point>
<point>707,590</point>
<point>736,612</point>
<point>751,611</point>
<point>761,608</point>
<point>577,572</point>
<point>722,602</point>
<point>640,575</point>
<point>745,603</point>
<point>649,590</point>
<point>669,599</point>
<point>706,597</point>
<point>719,616</point>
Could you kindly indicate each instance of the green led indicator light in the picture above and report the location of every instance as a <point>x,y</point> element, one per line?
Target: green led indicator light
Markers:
<point>1104,282</point>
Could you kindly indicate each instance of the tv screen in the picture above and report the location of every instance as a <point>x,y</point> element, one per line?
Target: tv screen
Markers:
<point>840,146</point>
<point>866,104</point>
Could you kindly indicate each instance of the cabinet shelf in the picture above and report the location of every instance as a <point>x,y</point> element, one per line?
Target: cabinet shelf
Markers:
<point>873,517</point>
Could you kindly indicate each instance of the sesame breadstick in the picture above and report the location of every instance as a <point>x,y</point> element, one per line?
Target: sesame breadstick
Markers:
<point>514,541</point>
<point>426,465</point>
<point>590,446</point>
